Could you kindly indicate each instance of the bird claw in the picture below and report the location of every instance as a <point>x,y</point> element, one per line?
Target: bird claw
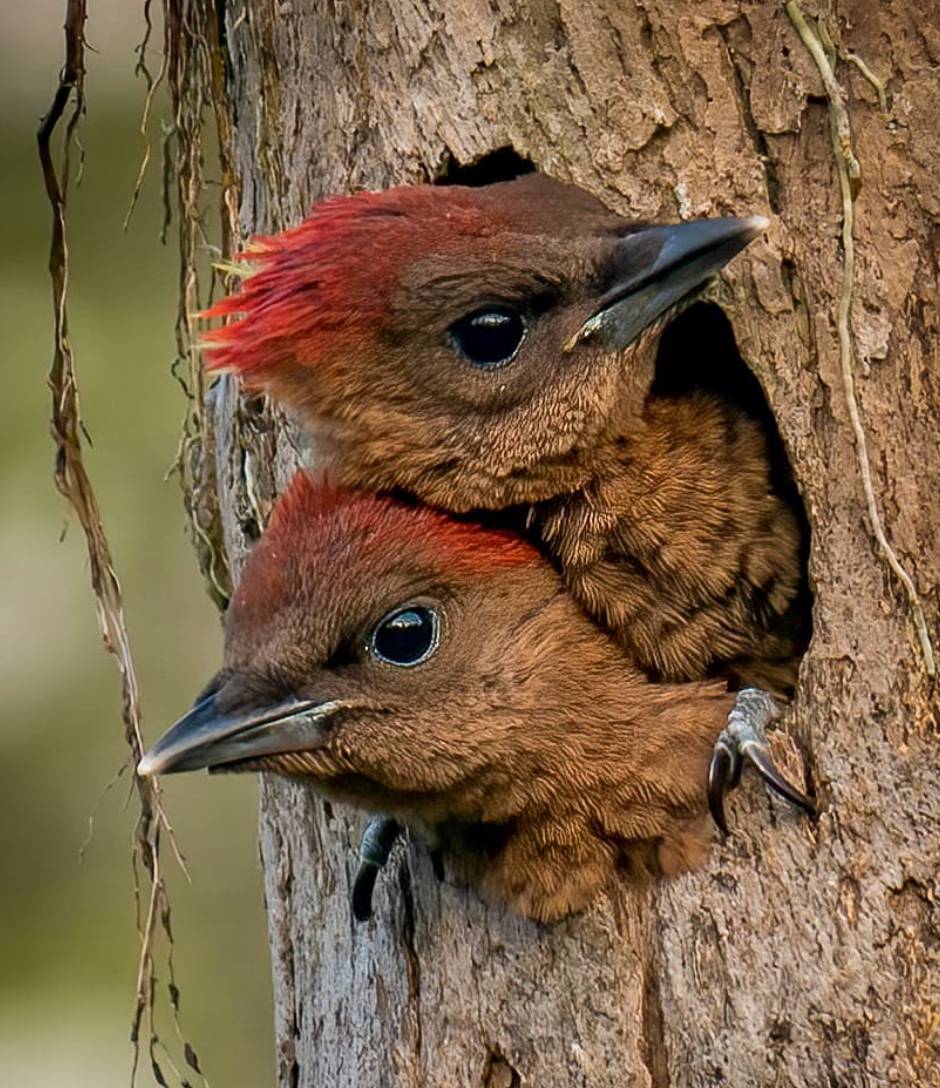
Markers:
<point>744,739</point>
<point>379,837</point>
<point>723,773</point>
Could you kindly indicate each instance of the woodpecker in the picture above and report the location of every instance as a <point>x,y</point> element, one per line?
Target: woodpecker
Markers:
<point>494,349</point>
<point>439,673</point>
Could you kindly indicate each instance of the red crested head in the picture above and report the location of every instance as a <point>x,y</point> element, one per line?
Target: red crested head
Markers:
<point>474,347</point>
<point>322,538</point>
<point>327,281</point>
<point>324,286</point>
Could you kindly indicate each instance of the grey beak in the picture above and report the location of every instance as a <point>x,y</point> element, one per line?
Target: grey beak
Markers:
<point>656,267</point>
<point>205,738</point>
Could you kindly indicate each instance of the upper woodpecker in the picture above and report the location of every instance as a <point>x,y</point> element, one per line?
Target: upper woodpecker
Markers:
<point>494,349</point>
<point>438,672</point>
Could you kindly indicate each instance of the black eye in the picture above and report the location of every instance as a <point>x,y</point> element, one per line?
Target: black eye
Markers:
<point>407,636</point>
<point>489,337</point>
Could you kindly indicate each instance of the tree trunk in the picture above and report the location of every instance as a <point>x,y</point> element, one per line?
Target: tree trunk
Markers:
<point>801,954</point>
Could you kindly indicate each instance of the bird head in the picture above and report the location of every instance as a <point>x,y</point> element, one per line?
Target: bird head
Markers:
<point>397,657</point>
<point>472,346</point>
<point>414,664</point>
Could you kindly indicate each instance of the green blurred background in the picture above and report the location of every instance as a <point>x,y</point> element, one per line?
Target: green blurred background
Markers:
<point>68,946</point>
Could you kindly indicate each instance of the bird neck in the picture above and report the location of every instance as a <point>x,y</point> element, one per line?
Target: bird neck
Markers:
<point>633,805</point>
<point>680,527</point>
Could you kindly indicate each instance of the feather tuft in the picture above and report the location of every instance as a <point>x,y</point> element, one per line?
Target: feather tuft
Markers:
<point>328,517</point>
<point>315,286</point>
<point>324,286</point>
<point>319,533</point>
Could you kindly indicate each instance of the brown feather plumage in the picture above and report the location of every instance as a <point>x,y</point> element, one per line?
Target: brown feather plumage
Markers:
<point>661,511</point>
<point>527,746</point>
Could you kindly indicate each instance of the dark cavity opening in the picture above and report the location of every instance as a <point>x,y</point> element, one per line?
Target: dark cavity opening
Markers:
<point>684,365</point>
<point>503,164</point>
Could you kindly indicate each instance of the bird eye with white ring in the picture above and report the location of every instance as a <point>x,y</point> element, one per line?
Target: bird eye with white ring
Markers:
<point>406,636</point>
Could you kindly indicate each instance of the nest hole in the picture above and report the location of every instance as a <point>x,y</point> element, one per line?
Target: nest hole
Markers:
<point>503,164</point>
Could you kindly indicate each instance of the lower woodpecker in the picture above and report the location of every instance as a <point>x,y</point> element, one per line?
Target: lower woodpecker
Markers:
<point>438,673</point>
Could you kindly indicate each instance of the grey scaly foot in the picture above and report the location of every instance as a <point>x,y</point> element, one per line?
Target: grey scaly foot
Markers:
<point>379,837</point>
<point>744,738</point>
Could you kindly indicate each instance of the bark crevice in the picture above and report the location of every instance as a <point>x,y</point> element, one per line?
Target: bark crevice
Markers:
<point>758,137</point>
<point>412,957</point>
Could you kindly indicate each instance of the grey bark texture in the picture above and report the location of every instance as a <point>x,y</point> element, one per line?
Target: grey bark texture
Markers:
<point>801,954</point>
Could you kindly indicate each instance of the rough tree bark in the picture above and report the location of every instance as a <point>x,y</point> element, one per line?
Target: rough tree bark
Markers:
<point>801,955</point>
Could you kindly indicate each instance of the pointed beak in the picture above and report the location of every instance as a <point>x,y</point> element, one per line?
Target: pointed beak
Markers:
<point>655,268</point>
<point>206,738</point>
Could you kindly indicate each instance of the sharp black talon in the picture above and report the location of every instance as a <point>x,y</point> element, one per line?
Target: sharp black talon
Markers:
<point>762,760</point>
<point>378,839</point>
<point>743,738</point>
<point>721,771</point>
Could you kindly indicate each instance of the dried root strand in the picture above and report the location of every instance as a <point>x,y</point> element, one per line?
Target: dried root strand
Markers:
<point>153,83</point>
<point>195,81</point>
<point>74,484</point>
<point>849,172</point>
